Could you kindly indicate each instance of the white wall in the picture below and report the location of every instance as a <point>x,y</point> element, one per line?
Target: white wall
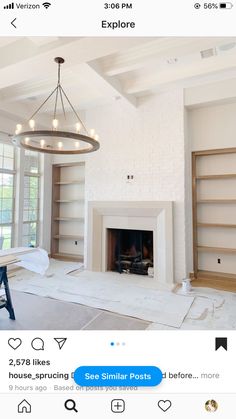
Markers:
<point>147,142</point>
<point>213,126</point>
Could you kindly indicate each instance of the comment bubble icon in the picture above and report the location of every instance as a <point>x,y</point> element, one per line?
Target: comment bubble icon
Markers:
<point>37,344</point>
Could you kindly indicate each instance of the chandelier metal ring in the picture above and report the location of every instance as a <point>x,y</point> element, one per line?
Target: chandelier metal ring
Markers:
<point>19,140</point>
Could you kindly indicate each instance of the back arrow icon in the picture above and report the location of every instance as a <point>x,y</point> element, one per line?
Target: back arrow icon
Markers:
<point>12,23</point>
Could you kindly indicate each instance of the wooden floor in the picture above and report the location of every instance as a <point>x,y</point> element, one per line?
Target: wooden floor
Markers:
<point>219,281</point>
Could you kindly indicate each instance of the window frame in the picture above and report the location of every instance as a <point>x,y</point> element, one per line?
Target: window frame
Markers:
<point>12,172</point>
<point>37,221</point>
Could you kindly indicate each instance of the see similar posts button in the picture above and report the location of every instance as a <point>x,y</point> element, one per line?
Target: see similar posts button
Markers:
<point>118,376</point>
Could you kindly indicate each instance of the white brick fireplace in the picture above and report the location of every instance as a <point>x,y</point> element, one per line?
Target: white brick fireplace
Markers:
<point>134,215</point>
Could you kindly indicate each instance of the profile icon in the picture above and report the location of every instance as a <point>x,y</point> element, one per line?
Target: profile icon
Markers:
<point>211,406</point>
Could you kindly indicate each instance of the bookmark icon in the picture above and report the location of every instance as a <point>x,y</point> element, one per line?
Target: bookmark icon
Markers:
<point>221,343</point>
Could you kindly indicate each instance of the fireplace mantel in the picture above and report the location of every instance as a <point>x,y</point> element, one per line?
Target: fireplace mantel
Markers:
<point>148,215</point>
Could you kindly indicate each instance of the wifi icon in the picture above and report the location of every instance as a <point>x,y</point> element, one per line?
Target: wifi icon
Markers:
<point>46,5</point>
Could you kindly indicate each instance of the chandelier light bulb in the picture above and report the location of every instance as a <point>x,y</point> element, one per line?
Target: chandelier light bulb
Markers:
<point>19,127</point>
<point>78,126</point>
<point>27,140</point>
<point>96,137</point>
<point>42,143</point>
<point>60,144</point>
<point>92,132</point>
<point>32,123</point>
<point>55,123</point>
<point>77,144</point>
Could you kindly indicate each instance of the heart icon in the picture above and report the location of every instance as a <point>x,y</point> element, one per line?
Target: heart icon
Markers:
<point>164,405</point>
<point>14,343</point>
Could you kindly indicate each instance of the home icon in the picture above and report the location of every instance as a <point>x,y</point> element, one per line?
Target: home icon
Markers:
<point>24,407</point>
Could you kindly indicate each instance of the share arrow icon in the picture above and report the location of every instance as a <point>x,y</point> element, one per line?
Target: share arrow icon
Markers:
<point>61,342</point>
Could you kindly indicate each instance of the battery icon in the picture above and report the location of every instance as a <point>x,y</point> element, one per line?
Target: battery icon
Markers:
<point>226,5</point>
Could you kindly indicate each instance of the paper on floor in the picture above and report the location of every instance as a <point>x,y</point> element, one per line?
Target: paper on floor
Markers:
<point>108,291</point>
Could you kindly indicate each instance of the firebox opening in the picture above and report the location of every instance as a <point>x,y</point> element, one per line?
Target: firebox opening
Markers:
<point>130,251</point>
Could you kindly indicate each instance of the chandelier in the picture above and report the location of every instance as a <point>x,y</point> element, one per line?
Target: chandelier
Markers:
<point>55,140</point>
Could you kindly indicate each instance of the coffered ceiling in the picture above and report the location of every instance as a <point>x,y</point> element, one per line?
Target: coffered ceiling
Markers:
<point>98,71</point>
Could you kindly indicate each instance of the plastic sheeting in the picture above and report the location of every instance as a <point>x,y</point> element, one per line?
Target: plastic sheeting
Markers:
<point>35,260</point>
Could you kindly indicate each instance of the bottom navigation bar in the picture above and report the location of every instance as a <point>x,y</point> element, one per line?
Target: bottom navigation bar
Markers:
<point>175,405</point>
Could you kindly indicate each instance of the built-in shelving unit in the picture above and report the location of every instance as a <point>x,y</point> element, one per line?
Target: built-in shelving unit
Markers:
<point>67,239</point>
<point>214,218</point>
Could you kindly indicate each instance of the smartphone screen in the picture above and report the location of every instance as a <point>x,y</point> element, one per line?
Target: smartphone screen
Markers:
<point>117,209</point>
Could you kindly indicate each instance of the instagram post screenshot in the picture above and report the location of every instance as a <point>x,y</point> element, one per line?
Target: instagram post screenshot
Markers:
<point>117,209</point>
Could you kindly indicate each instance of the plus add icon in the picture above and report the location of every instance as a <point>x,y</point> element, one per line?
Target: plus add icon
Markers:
<point>117,406</point>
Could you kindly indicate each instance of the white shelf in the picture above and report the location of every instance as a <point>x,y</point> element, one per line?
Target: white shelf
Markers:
<point>212,177</point>
<point>68,201</point>
<point>68,237</point>
<point>73,182</point>
<point>216,201</point>
<point>68,219</point>
<point>68,256</point>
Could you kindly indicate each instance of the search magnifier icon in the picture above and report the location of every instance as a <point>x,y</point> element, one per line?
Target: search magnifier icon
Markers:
<point>70,405</point>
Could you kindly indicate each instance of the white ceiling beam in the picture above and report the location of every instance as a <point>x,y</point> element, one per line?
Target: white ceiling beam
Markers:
<point>4,41</point>
<point>35,88</point>
<point>218,92</point>
<point>23,62</point>
<point>114,83</point>
<point>157,51</point>
<point>43,40</point>
<point>176,73</point>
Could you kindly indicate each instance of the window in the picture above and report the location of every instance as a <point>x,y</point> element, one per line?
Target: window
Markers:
<point>7,194</point>
<point>31,199</point>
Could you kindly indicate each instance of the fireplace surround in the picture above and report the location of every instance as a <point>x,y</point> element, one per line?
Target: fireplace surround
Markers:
<point>134,215</point>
